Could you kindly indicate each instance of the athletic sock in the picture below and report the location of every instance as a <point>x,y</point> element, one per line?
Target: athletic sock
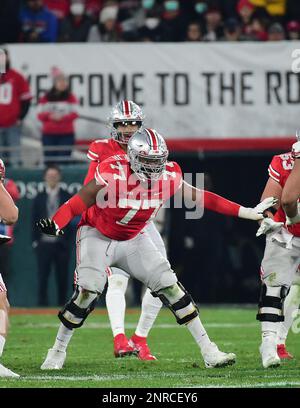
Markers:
<point>150,308</point>
<point>63,338</point>
<point>198,331</point>
<point>291,306</point>
<point>2,343</point>
<point>116,304</point>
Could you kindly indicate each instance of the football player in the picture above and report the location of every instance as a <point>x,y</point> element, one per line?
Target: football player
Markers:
<point>279,269</point>
<point>8,215</point>
<point>125,195</point>
<point>125,118</point>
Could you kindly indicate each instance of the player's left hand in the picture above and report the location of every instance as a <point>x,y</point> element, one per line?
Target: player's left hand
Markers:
<point>267,226</point>
<point>49,227</point>
<point>258,211</point>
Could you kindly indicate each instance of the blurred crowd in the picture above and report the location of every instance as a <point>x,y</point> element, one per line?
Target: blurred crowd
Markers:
<point>35,21</point>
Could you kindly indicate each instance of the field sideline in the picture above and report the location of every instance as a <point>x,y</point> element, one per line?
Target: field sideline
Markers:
<point>90,362</point>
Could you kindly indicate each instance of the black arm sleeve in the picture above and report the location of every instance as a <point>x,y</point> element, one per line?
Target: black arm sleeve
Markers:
<point>25,105</point>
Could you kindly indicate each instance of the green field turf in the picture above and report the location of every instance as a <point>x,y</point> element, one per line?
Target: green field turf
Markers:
<point>90,362</point>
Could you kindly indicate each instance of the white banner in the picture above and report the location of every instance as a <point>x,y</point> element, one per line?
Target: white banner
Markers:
<point>208,91</point>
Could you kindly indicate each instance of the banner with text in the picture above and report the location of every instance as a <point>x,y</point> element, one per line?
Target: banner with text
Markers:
<point>188,91</point>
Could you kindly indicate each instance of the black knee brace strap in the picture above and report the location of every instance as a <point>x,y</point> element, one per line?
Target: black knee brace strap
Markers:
<point>271,301</point>
<point>76,311</point>
<point>185,301</point>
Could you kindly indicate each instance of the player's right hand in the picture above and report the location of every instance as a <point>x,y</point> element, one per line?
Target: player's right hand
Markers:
<point>48,226</point>
<point>267,226</point>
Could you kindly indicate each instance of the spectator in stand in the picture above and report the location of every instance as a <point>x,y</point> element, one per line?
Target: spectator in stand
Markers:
<point>76,26</point>
<point>5,249</point>
<point>257,30</point>
<point>57,110</point>
<point>92,9</point>
<point>293,30</point>
<point>107,30</point>
<point>130,19</point>
<point>60,8</point>
<point>276,32</point>
<point>151,28</point>
<point>38,24</point>
<point>193,32</point>
<point>9,21</point>
<point>15,98</point>
<point>174,22</point>
<point>245,11</point>
<point>232,30</point>
<point>213,25</point>
<point>51,252</point>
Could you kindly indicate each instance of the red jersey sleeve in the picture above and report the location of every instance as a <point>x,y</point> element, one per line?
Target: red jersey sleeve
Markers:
<point>23,88</point>
<point>92,153</point>
<point>103,174</point>
<point>43,113</point>
<point>275,170</point>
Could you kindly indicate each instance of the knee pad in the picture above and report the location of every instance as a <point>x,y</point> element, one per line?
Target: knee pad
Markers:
<point>78,308</point>
<point>271,303</point>
<point>179,301</point>
<point>118,282</point>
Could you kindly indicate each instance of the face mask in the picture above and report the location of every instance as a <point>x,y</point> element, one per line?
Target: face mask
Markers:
<point>147,4</point>
<point>151,23</point>
<point>77,9</point>
<point>200,7</point>
<point>171,5</point>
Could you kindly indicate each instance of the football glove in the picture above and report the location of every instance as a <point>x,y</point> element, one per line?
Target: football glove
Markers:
<point>48,227</point>
<point>296,150</point>
<point>267,226</point>
<point>4,238</point>
<point>257,213</point>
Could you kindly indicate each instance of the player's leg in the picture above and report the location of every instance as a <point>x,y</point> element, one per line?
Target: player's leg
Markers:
<point>150,305</point>
<point>291,307</point>
<point>279,266</point>
<point>141,259</point>
<point>116,306</point>
<point>4,309</point>
<point>90,279</point>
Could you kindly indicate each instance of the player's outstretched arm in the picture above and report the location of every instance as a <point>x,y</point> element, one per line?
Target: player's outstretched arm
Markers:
<point>291,192</point>
<point>85,198</point>
<point>221,205</point>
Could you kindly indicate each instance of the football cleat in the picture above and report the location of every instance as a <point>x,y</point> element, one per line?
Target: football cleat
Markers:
<point>55,360</point>
<point>5,372</point>
<point>122,348</point>
<point>140,345</point>
<point>214,358</point>
<point>282,352</point>
<point>268,351</point>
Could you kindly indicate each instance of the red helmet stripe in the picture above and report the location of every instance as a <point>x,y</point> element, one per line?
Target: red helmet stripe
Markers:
<point>126,108</point>
<point>153,138</point>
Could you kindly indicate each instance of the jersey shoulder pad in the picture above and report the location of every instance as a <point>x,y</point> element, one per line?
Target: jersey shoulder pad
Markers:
<point>114,168</point>
<point>280,165</point>
<point>96,148</point>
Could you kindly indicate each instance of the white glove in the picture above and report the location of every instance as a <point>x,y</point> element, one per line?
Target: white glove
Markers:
<point>268,225</point>
<point>296,150</point>
<point>257,212</point>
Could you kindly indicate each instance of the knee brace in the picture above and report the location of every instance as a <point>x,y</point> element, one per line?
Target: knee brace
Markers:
<point>78,308</point>
<point>271,303</point>
<point>184,308</point>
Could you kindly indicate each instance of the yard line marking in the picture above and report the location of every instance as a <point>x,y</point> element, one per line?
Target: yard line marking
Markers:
<point>249,385</point>
<point>133,325</point>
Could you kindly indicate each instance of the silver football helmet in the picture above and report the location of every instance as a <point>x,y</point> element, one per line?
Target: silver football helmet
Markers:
<point>125,113</point>
<point>148,154</point>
